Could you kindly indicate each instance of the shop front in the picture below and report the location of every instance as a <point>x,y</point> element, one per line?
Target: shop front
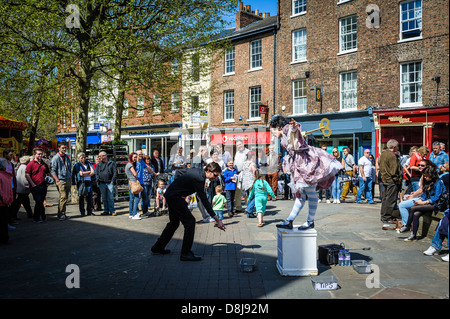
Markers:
<point>11,134</point>
<point>348,129</point>
<point>71,139</point>
<point>254,138</point>
<point>163,138</point>
<point>411,127</point>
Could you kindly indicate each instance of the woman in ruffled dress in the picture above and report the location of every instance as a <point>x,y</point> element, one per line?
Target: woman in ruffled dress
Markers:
<point>310,168</point>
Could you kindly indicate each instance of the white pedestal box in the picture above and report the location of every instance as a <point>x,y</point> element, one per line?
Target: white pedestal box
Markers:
<point>297,252</point>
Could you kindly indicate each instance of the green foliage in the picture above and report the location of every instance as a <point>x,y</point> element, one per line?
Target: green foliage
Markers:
<point>120,46</point>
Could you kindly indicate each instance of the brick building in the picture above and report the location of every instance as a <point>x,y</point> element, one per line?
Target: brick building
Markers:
<point>243,80</point>
<point>366,56</point>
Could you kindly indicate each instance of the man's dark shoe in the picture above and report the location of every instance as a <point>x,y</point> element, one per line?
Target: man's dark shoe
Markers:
<point>160,251</point>
<point>190,257</point>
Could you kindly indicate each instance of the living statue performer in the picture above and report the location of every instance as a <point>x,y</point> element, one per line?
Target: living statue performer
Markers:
<point>310,168</point>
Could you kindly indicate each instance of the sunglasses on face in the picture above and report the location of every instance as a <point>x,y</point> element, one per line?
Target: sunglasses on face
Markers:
<point>421,165</point>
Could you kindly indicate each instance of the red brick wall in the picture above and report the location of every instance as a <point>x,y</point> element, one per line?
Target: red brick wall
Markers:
<point>242,81</point>
<point>377,60</point>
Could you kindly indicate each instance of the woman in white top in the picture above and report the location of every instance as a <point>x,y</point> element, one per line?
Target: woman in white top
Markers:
<point>248,177</point>
<point>23,187</point>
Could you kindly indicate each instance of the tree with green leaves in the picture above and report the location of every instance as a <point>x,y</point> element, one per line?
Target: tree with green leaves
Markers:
<point>129,41</point>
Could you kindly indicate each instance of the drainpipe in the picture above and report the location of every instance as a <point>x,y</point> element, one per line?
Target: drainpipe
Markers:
<point>277,141</point>
<point>275,54</point>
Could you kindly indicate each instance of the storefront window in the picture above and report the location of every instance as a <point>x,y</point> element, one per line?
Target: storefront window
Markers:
<point>406,136</point>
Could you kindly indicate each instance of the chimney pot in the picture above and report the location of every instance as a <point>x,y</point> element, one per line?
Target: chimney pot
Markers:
<point>241,6</point>
<point>249,8</point>
<point>268,14</point>
<point>257,12</point>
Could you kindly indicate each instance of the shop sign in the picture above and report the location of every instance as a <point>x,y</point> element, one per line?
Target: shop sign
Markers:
<point>247,138</point>
<point>149,133</point>
<point>263,109</point>
<point>200,116</point>
<point>400,119</point>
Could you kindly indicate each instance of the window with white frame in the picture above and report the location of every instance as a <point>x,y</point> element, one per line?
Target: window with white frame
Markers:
<point>347,34</point>
<point>140,106</point>
<point>348,91</point>
<point>157,103</point>
<point>125,108</point>
<point>228,106</point>
<point>411,19</point>
<point>72,118</point>
<point>299,96</point>
<point>298,6</point>
<point>255,54</point>
<point>411,83</point>
<point>229,60</point>
<point>299,45</point>
<point>255,102</point>
<point>175,101</point>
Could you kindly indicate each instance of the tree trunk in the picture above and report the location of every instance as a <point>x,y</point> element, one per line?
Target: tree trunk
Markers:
<point>32,129</point>
<point>83,110</point>
<point>119,114</point>
<point>119,103</point>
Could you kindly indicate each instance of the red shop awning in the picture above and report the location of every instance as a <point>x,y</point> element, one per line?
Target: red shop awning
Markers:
<point>7,124</point>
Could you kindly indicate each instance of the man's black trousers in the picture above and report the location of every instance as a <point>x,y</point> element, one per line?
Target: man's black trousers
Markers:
<point>178,212</point>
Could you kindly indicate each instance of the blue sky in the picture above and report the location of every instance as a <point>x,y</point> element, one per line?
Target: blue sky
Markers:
<point>262,5</point>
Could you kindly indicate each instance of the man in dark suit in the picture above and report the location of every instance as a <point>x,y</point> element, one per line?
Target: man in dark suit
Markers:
<point>187,181</point>
<point>157,162</point>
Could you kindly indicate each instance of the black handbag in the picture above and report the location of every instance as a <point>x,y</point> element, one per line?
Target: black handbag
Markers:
<point>442,203</point>
<point>344,177</point>
<point>328,254</point>
<point>82,189</point>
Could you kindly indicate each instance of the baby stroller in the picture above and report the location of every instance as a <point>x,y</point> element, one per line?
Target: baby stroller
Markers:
<point>166,178</point>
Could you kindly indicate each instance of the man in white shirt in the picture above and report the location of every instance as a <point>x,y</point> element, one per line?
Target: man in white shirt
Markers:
<point>177,160</point>
<point>365,178</point>
<point>239,158</point>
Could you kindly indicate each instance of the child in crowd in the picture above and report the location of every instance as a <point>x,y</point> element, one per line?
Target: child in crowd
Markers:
<point>160,195</point>
<point>230,177</point>
<point>219,202</point>
<point>260,191</point>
